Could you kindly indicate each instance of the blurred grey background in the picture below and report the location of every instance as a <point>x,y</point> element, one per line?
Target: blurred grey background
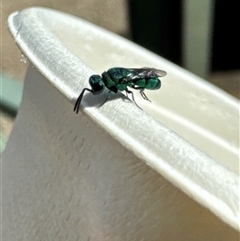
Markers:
<point>200,36</point>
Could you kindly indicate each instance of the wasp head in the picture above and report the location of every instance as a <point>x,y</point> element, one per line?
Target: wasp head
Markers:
<point>97,84</point>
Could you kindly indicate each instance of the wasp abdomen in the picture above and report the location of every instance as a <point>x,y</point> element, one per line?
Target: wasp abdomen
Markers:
<point>150,84</point>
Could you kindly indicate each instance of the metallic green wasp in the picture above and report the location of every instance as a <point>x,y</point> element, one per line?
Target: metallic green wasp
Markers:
<point>119,79</point>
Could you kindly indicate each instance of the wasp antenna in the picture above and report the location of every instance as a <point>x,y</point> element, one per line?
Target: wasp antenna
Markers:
<point>79,100</point>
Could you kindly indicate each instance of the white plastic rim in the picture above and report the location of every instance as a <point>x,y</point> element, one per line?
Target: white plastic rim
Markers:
<point>66,50</point>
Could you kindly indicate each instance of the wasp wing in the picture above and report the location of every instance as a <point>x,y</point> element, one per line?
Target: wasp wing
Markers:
<point>145,73</point>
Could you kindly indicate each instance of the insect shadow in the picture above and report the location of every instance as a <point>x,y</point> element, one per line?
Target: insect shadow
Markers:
<point>99,100</point>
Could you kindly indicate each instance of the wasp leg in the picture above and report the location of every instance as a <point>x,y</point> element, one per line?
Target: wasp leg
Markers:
<point>142,93</point>
<point>106,99</point>
<point>130,92</point>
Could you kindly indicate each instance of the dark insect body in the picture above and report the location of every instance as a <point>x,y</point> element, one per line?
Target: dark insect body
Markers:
<point>119,79</point>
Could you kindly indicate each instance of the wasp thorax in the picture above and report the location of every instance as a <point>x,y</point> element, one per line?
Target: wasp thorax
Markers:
<point>97,84</point>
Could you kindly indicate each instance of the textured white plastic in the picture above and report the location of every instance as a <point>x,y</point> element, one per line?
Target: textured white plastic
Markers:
<point>107,173</point>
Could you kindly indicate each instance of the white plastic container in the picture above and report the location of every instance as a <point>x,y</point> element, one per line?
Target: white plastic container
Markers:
<point>167,172</point>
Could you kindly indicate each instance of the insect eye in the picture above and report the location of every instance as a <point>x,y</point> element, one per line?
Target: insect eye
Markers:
<point>97,84</point>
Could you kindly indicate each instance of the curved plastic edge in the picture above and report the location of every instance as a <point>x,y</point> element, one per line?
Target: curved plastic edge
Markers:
<point>163,150</point>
